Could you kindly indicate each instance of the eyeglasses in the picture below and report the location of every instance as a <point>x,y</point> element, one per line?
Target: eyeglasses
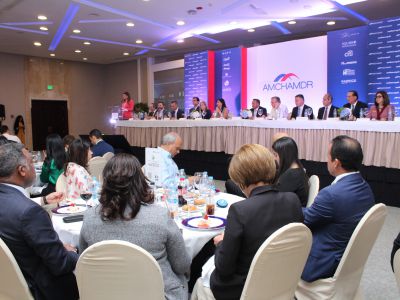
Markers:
<point>379,96</point>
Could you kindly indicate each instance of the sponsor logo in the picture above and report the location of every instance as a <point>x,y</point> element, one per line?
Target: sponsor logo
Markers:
<point>393,30</point>
<point>393,51</point>
<point>384,37</point>
<point>288,81</point>
<point>375,33</point>
<point>374,83</point>
<point>349,53</point>
<point>383,78</point>
<point>349,44</point>
<point>375,73</point>
<point>384,57</point>
<point>226,83</point>
<point>375,53</point>
<point>348,34</point>
<point>375,63</point>
<point>393,72</point>
<point>375,43</point>
<point>349,72</point>
<point>384,47</point>
<point>394,62</point>
<point>352,62</point>
<point>384,68</point>
<point>394,41</point>
<point>385,26</point>
<point>348,81</point>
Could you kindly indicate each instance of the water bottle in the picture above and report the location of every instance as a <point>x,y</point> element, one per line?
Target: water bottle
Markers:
<point>390,114</point>
<point>203,186</point>
<point>173,202</point>
<point>335,113</point>
<point>182,192</point>
<point>95,190</point>
<point>211,184</point>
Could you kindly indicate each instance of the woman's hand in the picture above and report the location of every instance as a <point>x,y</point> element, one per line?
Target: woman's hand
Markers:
<point>218,239</point>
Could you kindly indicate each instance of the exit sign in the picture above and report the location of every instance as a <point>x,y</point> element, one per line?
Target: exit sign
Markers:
<point>50,87</point>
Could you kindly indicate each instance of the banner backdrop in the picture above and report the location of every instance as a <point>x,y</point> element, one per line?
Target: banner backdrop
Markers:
<point>347,63</point>
<point>287,69</point>
<point>384,60</point>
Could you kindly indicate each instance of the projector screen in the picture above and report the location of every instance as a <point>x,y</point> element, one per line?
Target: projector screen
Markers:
<point>287,69</point>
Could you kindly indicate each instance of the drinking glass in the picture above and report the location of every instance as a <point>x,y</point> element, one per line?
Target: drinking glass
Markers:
<point>210,205</point>
<point>86,197</point>
<point>259,113</point>
<point>196,180</point>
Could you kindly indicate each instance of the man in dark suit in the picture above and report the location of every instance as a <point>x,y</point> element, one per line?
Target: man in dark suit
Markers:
<point>160,113</point>
<point>257,110</point>
<point>337,209</point>
<point>176,113</point>
<point>327,110</point>
<point>300,108</point>
<point>196,105</point>
<point>26,229</point>
<point>100,147</point>
<point>354,104</point>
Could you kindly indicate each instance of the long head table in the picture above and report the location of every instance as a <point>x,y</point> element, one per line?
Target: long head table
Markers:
<point>380,140</point>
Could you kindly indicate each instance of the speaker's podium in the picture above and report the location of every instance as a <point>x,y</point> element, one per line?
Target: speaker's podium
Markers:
<point>117,141</point>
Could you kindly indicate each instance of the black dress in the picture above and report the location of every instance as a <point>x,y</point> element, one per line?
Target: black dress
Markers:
<point>296,181</point>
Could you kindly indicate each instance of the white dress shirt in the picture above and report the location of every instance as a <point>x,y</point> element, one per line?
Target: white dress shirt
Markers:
<point>342,176</point>
<point>280,112</point>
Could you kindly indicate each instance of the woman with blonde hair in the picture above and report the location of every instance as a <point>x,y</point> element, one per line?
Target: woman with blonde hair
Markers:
<point>250,222</point>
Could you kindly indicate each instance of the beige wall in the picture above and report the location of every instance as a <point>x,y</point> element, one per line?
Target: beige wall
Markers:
<point>90,89</point>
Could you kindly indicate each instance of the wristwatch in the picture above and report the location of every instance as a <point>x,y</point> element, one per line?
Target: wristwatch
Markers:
<point>45,201</point>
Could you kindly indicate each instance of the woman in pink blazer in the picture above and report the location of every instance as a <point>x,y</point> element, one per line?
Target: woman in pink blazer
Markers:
<point>127,106</point>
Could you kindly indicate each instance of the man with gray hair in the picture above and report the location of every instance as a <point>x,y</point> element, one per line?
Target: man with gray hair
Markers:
<point>26,229</point>
<point>171,144</point>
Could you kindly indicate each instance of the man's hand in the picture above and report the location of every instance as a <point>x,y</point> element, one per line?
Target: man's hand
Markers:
<point>218,239</point>
<point>55,197</point>
<point>69,247</point>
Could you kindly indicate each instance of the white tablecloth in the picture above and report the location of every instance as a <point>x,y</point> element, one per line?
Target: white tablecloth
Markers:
<point>194,239</point>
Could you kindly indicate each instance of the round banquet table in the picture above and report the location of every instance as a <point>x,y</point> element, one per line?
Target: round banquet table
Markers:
<point>194,239</point>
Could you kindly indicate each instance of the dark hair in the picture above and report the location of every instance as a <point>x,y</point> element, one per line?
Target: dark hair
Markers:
<point>257,100</point>
<point>96,133</point>
<point>162,102</point>
<point>288,153</point>
<point>68,139</point>
<point>78,153</point>
<point>354,93</point>
<point>277,98</point>
<point>3,129</point>
<point>348,151</point>
<point>299,96</point>
<point>223,103</point>
<point>16,123</point>
<point>385,96</point>
<point>197,99</point>
<point>55,150</point>
<point>128,95</point>
<point>174,101</point>
<point>124,186</point>
<point>4,140</point>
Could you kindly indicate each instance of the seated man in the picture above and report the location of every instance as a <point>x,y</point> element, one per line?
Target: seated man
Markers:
<point>257,110</point>
<point>278,109</point>
<point>176,113</point>
<point>171,144</point>
<point>4,131</point>
<point>337,209</point>
<point>26,229</point>
<point>327,110</point>
<point>301,109</point>
<point>99,147</point>
<point>160,113</point>
<point>354,104</point>
<point>196,105</point>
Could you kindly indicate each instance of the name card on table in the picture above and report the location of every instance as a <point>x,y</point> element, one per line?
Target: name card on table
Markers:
<point>152,168</point>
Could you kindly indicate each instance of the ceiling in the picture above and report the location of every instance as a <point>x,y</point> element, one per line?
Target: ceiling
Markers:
<point>211,24</point>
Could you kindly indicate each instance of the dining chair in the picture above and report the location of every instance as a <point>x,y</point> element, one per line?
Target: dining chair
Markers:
<point>108,155</point>
<point>96,166</point>
<point>313,183</point>
<point>345,283</point>
<point>118,270</point>
<point>13,285</point>
<point>396,267</point>
<point>276,267</point>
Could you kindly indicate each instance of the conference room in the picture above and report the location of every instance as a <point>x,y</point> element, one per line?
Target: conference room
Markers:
<point>230,149</point>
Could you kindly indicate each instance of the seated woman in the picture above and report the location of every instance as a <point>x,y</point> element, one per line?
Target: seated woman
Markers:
<point>221,111</point>
<point>78,180</point>
<point>250,222</point>
<point>381,110</point>
<point>53,165</point>
<point>291,176</point>
<point>126,208</point>
<point>204,111</point>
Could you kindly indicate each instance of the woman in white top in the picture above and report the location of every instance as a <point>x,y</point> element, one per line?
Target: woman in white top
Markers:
<point>221,111</point>
<point>79,180</point>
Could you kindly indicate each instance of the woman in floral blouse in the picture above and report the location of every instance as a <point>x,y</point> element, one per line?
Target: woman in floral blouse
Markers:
<point>79,180</point>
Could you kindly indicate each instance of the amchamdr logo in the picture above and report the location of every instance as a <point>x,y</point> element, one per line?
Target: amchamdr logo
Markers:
<point>281,82</point>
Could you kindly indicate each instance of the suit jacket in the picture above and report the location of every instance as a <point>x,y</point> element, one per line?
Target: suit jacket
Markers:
<point>356,111</point>
<point>249,224</point>
<point>164,113</point>
<point>101,148</point>
<point>179,113</point>
<point>322,110</point>
<point>295,109</point>
<point>27,230</point>
<point>193,109</point>
<point>264,112</point>
<point>332,218</point>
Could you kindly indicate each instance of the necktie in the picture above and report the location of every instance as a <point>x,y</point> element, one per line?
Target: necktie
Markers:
<point>352,108</point>
<point>325,113</point>
<point>299,112</point>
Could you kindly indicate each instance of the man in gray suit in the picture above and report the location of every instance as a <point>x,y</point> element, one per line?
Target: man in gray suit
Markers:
<point>26,228</point>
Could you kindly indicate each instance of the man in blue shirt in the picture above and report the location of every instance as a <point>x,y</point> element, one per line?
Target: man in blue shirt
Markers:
<point>99,147</point>
<point>171,144</point>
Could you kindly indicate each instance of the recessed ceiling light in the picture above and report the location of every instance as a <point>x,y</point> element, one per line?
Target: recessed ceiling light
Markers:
<point>146,0</point>
<point>37,44</point>
<point>126,53</point>
<point>139,42</point>
<point>251,30</point>
<point>330,23</point>
<point>78,51</point>
<point>180,41</point>
<point>85,58</point>
<point>292,22</point>
<point>87,43</point>
<point>44,28</point>
<point>52,54</point>
<point>233,23</point>
<point>130,24</point>
<point>180,23</point>
<point>42,17</point>
<point>76,31</point>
